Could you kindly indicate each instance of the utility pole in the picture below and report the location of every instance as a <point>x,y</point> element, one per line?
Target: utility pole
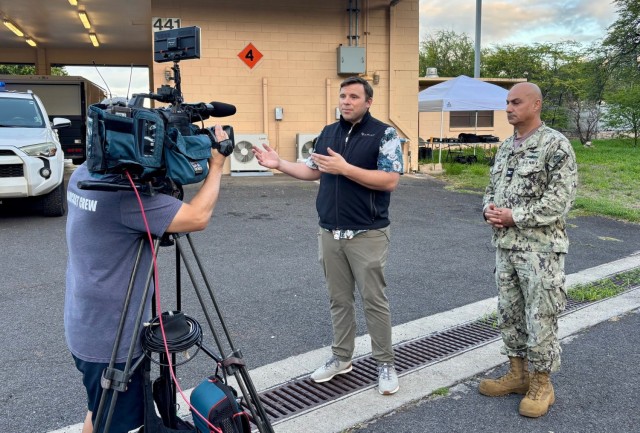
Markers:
<point>476,66</point>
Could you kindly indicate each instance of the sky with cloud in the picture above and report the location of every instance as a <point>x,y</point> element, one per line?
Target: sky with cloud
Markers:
<point>520,21</point>
<point>503,22</point>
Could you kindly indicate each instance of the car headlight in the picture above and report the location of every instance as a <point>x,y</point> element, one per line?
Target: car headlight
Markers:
<point>43,149</point>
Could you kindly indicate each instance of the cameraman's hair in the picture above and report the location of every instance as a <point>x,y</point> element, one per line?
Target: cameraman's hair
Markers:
<point>368,90</point>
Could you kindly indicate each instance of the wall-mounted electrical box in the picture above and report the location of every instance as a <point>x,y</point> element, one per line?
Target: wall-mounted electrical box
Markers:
<point>338,113</point>
<point>351,60</point>
<point>279,113</point>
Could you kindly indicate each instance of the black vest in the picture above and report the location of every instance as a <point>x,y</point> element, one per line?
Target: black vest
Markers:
<point>341,202</point>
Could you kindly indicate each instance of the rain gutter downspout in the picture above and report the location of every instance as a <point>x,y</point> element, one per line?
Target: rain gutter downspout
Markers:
<point>392,116</point>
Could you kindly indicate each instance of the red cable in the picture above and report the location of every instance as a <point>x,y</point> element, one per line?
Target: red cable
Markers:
<point>214,429</point>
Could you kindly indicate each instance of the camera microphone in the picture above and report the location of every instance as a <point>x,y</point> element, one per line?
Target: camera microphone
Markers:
<point>220,109</point>
<point>202,111</point>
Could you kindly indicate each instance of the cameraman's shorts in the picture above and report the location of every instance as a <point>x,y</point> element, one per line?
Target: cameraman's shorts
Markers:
<point>129,411</point>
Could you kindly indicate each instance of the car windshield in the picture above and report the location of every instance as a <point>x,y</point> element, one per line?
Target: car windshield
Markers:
<point>20,113</point>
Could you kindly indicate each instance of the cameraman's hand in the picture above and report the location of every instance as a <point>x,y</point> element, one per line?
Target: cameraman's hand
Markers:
<point>267,157</point>
<point>217,159</point>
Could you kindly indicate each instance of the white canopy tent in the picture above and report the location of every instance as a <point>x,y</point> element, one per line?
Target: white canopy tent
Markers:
<point>461,94</point>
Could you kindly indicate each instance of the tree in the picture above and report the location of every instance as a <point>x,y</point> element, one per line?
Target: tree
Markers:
<point>624,34</point>
<point>623,111</point>
<point>450,52</point>
<point>572,80</point>
<point>514,61</point>
<point>588,73</point>
<point>28,70</point>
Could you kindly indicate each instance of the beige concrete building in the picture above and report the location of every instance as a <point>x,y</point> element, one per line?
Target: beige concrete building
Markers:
<point>258,55</point>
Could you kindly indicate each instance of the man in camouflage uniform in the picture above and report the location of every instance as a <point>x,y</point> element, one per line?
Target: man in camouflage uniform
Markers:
<point>531,189</point>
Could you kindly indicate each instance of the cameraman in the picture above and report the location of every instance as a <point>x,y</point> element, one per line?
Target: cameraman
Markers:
<point>103,234</point>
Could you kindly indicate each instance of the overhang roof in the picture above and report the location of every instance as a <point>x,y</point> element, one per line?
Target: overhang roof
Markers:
<point>121,26</point>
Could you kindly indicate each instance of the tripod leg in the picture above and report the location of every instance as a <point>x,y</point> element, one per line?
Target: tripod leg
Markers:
<point>242,376</point>
<point>115,381</point>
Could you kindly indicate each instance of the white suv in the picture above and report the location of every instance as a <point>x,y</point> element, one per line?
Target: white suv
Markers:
<point>31,159</point>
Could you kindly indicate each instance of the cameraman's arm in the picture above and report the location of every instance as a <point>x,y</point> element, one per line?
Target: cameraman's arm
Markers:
<point>195,215</point>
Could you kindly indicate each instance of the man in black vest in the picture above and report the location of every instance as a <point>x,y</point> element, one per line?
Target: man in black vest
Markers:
<point>358,161</point>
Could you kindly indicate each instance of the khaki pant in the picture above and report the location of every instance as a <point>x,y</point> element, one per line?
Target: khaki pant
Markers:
<point>531,294</point>
<point>350,263</point>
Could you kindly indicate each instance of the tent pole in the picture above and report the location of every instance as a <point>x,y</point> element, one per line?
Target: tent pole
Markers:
<point>476,131</point>
<point>441,122</point>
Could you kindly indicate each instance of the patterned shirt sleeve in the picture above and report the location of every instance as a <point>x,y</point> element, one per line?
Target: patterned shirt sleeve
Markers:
<point>309,163</point>
<point>390,155</point>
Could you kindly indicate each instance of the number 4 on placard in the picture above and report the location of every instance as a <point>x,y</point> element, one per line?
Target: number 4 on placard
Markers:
<point>250,55</point>
<point>159,24</point>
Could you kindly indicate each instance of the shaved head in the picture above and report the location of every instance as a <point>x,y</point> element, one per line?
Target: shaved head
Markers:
<point>530,88</point>
<point>524,104</point>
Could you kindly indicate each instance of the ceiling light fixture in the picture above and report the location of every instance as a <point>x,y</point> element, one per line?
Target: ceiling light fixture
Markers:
<point>73,2</point>
<point>94,39</point>
<point>85,19</point>
<point>13,28</point>
<point>30,41</point>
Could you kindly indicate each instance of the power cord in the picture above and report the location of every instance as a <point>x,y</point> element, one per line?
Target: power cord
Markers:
<point>182,333</point>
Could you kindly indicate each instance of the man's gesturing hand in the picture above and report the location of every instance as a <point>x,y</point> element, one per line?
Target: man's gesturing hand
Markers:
<point>333,163</point>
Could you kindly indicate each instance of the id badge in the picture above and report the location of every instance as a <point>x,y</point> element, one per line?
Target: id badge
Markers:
<point>510,171</point>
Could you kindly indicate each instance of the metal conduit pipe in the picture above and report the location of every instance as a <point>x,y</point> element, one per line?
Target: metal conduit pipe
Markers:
<point>350,20</point>
<point>357,11</point>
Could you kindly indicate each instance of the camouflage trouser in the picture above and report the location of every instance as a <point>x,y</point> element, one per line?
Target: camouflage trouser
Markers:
<point>531,293</point>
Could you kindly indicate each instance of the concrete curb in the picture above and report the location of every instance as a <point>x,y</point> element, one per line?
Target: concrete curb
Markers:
<point>341,414</point>
<point>357,408</point>
<point>369,404</point>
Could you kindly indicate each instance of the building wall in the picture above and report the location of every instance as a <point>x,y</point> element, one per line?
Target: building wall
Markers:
<point>299,69</point>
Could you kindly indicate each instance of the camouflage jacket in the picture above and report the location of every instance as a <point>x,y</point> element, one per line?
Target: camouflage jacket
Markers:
<point>538,183</point>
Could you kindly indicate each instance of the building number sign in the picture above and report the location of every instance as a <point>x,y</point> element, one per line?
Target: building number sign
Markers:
<point>158,23</point>
<point>250,55</point>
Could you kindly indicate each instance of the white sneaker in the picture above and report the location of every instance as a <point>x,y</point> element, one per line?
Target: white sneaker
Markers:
<point>387,379</point>
<point>331,368</point>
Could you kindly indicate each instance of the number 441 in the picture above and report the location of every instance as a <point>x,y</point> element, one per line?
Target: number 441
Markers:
<point>159,24</point>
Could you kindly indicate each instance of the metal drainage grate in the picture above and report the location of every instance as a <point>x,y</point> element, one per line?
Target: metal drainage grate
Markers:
<point>302,395</point>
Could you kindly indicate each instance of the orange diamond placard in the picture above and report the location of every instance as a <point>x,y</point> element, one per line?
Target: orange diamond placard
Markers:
<point>250,55</point>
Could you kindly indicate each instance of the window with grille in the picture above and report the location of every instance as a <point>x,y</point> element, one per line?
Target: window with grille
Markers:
<point>467,119</point>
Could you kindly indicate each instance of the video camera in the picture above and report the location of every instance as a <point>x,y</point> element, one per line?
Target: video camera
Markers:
<point>156,143</point>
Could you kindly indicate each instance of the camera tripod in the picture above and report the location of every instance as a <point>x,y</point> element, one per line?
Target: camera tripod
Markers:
<point>230,360</point>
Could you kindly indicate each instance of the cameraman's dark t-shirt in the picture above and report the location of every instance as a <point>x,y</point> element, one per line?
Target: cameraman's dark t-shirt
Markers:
<point>103,234</point>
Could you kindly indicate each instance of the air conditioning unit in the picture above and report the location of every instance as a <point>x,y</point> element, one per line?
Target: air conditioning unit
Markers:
<point>243,161</point>
<point>304,145</point>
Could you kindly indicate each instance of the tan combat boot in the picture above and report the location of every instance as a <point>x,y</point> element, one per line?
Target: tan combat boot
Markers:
<point>516,381</point>
<point>539,397</point>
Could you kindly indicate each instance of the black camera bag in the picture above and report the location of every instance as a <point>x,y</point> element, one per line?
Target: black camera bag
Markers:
<point>139,142</point>
<point>118,142</point>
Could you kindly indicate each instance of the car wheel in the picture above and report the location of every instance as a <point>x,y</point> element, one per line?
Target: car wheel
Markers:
<point>55,203</point>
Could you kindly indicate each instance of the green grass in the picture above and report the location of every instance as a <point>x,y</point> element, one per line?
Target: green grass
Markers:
<point>442,392</point>
<point>608,178</point>
<point>490,319</point>
<point>606,287</point>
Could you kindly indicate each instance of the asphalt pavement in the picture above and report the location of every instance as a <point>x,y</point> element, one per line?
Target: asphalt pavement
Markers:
<point>596,391</point>
<point>260,254</point>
